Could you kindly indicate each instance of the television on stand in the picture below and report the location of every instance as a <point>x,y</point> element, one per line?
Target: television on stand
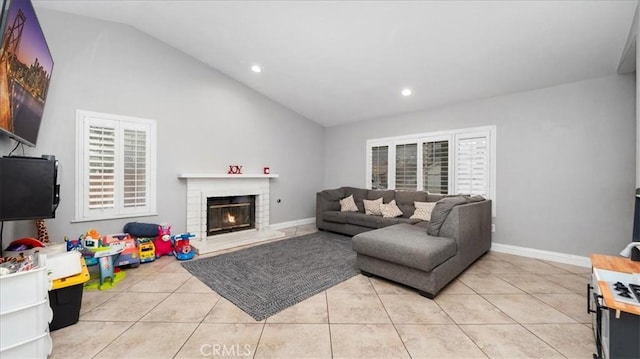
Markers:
<point>25,71</point>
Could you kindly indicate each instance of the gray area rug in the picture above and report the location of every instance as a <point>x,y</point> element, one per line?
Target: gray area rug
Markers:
<point>268,278</point>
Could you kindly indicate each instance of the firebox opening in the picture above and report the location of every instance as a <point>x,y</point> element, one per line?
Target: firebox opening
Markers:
<point>230,214</point>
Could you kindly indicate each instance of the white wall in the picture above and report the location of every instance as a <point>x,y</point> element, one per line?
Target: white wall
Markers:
<point>202,115</point>
<point>565,161</point>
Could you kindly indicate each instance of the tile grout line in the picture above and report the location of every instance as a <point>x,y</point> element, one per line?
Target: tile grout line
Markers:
<point>404,345</point>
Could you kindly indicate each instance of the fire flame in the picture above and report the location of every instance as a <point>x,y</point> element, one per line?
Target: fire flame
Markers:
<point>230,218</point>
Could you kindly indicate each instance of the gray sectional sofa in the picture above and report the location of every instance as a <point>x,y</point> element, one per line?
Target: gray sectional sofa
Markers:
<point>425,255</point>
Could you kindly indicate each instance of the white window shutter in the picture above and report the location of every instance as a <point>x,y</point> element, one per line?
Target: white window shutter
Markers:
<point>435,168</point>
<point>472,164</point>
<point>406,166</point>
<point>115,163</point>
<point>101,167</point>
<point>379,167</point>
<point>135,169</point>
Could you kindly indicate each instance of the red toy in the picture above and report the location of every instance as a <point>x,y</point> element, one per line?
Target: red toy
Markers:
<point>163,241</point>
<point>182,247</point>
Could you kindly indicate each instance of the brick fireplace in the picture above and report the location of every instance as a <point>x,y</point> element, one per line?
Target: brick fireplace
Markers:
<point>201,188</point>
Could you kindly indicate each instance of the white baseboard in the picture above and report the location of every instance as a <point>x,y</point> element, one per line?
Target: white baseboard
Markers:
<point>541,254</point>
<point>298,222</point>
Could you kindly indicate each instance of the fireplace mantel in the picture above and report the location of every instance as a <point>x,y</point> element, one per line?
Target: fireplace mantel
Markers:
<point>224,175</point>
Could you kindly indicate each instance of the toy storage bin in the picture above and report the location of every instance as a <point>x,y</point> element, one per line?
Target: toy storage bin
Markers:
<point>65,298</point>
<point>24,288</point>
<point>24,324</point>
<point>62,265</point>
<point>38,347</point>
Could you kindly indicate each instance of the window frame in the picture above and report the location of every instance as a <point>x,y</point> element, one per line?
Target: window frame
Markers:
<point>84,121</point>
<point>420,138</point>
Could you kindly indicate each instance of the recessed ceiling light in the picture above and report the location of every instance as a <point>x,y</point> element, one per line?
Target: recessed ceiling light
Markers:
<point>256,68</point>
<point>406,92</point>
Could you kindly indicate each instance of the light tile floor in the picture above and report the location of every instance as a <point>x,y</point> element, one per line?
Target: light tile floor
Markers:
<point>503,306</point>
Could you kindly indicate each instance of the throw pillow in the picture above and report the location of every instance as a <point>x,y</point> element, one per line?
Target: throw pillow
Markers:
<point>390,210</point>
<point>348,205</point>
<point>423,210</point>
<point>372,207</point>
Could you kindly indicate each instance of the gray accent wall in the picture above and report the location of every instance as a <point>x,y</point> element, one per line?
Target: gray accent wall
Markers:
<point>565,161</point>
<point>205,122</point>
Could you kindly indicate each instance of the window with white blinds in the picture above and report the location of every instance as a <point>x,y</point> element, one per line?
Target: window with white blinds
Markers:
<point>379,167</point>
<point>447,162</point>
<point>102,161</point>
<point>115,163</point>
<point>406,167</point>
<point>472,164</point>
<point>435,166</point>
<point>135,168</point>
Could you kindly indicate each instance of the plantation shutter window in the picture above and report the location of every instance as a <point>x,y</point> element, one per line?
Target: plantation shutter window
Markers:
<point>460,161</point>
<point>135,178</point>
<point>435,167</point>
<point>407,166</point>
<point>379,167</point>
<point>115,166</point>
<point>101,167</point>
<point>472,165</point>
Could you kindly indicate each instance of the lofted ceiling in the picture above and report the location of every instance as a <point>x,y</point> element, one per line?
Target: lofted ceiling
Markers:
<point>336,62</point>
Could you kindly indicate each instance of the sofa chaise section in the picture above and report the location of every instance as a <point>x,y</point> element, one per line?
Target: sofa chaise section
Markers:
<point>407,254</point>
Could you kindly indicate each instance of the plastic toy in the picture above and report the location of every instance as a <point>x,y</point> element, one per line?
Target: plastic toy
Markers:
<point>74,244</point>
<point>146,250</point>
<point>106,259</point>
<point>163,241</point>
<point>24,244</point>
<point>89,243</point>
<point>91,239</point>
<point>129,254</point>
<point>181,247</point>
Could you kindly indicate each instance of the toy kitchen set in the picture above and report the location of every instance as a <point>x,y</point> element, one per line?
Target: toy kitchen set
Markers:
<point>614,301</point>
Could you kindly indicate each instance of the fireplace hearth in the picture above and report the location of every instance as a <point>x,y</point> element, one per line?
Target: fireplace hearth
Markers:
<point>230,214</point>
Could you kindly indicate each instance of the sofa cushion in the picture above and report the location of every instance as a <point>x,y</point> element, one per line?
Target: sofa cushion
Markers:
<point>405,199</point>
<point>347,204</point>
<point>332,198</point>
<point>358,195</point>
<point>335,216</point>
<point>423,210</point>
<point>441,211</point>
<point>386,222</point>
<point>406,245</point>
<point>390,210</point>
<point>372,207</point>
<point>387,195</point>
<point>363,220</point>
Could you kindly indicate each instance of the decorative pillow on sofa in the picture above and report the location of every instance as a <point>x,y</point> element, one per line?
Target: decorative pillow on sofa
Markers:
<point>390,210</point>
<point>423,210</point>
<point>372,207</point>
<point>348,205</point>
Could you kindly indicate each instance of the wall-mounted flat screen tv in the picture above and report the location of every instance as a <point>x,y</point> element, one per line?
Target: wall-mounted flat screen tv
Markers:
<point>25,72</point>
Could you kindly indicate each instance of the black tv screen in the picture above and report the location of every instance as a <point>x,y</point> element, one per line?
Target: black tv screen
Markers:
<point>25,72</point>
<point>28,188</point>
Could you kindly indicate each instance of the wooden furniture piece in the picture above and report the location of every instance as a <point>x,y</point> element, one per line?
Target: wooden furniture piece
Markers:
<point>616,324</point>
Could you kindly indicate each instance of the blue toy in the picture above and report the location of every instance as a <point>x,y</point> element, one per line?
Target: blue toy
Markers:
<point>182,250</point>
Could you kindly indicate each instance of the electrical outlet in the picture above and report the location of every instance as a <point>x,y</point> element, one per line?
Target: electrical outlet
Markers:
<point>493,228</point>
